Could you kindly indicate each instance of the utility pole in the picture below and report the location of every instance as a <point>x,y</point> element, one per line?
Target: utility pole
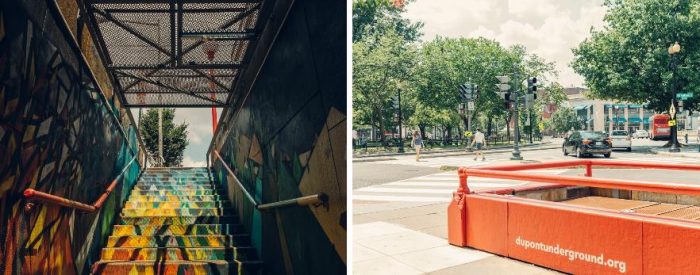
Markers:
<point>160,136</point>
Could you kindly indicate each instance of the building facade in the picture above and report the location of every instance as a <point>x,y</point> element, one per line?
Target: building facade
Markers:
<point>606,116</point>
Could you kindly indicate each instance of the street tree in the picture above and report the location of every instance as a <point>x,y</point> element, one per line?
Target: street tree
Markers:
<point>376,17</point>
<point>564,119</point>
<point>174,136</point>
<point>628,60</point>
<point>381,64</point>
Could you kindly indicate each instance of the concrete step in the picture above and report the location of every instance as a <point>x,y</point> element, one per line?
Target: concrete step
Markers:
<point>163,187</point>
<point>176,229</point>
<point>175,178</point>
<point>157,187</point>
<point>175,204</point>
<point>178,253</point>
<point>183,183</point>
<point>179,241</point>
<point>182,220</point>
<point>175,193</point>
<point>138,198</point>
<point>176,212</point>
<point>177,267</point>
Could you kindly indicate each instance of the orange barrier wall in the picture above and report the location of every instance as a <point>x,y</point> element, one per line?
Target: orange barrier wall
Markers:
<point>671,248</point>
<point>578,240</point>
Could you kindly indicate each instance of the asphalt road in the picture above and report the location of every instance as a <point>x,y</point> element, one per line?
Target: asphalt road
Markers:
<point>404,167</point>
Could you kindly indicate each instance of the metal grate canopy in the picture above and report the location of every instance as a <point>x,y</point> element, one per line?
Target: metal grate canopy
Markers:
<point>179,53</point>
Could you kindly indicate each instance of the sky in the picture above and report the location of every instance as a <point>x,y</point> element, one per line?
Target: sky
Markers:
<point>548,28</point>
<point>199,133</point>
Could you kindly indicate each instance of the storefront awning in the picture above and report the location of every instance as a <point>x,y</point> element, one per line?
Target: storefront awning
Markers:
<point>635,120</point>
<point>619,120</point>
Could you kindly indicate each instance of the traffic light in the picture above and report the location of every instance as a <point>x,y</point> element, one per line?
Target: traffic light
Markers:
<point>504,90</point>
<point>532,85</point>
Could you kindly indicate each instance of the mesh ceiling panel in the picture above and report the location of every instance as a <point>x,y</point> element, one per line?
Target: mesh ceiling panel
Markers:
<point>180,53</point>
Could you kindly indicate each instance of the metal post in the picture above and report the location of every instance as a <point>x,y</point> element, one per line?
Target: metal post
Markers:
<point>160,135</point>
<point>675,147</point>
<point>516,92</point>
<point>400,125</point>
<point>529,118</point>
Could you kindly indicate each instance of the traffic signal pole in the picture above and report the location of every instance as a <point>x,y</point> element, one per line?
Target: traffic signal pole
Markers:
<point>516,102</point>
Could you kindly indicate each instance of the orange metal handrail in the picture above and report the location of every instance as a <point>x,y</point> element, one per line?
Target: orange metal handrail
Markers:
<point>510,172</point>
<point>32,194</point>
<point>317,199</point>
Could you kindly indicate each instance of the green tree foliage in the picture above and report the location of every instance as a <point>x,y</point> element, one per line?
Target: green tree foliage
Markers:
<point>174,136</point>
<point>628,60</point>
<point>564,119</point>
<point>376,17</point>
<point>446,63</point>
<point>381,66</point>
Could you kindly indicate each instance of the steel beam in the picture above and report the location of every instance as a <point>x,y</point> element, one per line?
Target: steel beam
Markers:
<point>190,10</point>
<point>185,66</point>
<point>171,88</point>
<point>132,31</point>
<point>181,52</point>
<point>173,106</point>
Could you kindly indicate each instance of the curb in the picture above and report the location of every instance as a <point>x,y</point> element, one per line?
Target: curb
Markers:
<point>461,153</point>
<point>425,153</point>
<point>681,154</point>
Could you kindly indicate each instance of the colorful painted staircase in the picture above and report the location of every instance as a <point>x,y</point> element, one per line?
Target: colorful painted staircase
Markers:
<point>175,222</point>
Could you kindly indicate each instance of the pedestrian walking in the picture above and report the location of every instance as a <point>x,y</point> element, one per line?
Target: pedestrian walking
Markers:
<point>479,141</point>
<point>417,143</point>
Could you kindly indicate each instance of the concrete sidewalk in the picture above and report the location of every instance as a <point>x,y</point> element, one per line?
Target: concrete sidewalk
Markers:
<point>411,238</point>
<point>687,151</point>
<point>459,152</point>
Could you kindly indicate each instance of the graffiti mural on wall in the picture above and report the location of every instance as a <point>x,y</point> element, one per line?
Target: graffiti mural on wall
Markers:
<point>58,136</point>
<point>288,140</point>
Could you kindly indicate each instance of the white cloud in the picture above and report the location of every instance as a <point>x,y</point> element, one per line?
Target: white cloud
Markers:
<point>531,8</point>
<point>188,162</point>
<point>483,32</point>
<point>547,28</point>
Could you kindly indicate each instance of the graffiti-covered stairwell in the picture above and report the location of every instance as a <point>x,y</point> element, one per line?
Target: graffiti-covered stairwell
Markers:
<point>176,222</point>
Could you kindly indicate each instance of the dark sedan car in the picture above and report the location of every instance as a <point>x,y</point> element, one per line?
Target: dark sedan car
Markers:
<point>584,143</point>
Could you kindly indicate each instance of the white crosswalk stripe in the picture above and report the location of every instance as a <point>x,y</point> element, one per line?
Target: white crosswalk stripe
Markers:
<point>433,188</point>
<point>661,159</point>
<point>455,161</point>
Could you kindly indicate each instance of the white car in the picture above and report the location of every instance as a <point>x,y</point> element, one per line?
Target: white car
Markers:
<point>640,134</point>
<point>621,139</point>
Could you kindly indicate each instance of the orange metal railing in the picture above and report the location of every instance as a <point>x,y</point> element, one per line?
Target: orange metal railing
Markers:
<point>511,172</point>
<point>32,194</point>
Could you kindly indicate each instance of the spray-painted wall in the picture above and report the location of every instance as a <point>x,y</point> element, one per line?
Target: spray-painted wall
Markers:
<point>57,135</point>
<point>289,140</point>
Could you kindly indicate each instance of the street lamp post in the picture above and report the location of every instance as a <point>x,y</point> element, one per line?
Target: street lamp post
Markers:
<point>673,50</point>
<point>401,150</point>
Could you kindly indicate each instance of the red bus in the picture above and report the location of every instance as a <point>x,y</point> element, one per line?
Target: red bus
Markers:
<point>658,127</point>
